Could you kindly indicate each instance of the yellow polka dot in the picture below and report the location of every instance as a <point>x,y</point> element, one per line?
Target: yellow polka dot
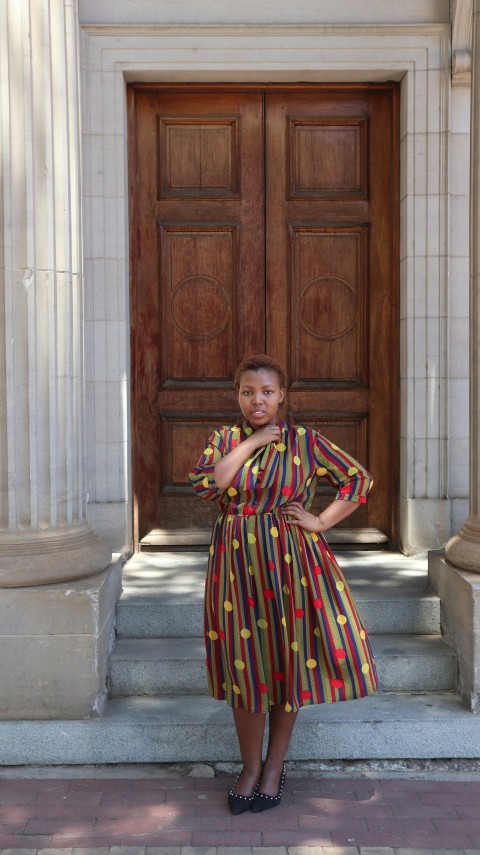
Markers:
<point>353,470</point>
<point>255,470</point>
<point>301,431</point>
<point>363,634</point>
<point>232,491</point>
<point>321,471</point>
<point>317,632</point>
<point>228,606</point>
<point>247,462</point>
<point>213,635</point>
<point>236,690</point>
<point>365,668</point>
<point>340,586</point>
<point>304,581</point>
<point>274,531</point>
<point>309,481</point>
<point>311,663</point>
<point>208,451</point>
<point>314,536</point>
<point>288,558</point>
<point>245,633</point>
<point>224,686</point>
<point>341,619</point>
<point>251,538</point>
<point>251,570</point>
<point>235,543</point>
<point>232,577</point>
<point>239,664</point>
<point>205,481</point>
<point>288,707</point>
<point>248,431</point>
<point>286,590</point>
<point>294,645</point>
<point>280,446</point>
<point>262,623</point>
<point>335,447</point>
<point>212,550</point>
<point>297,460</point>
<point>284,621</point>
<point>235,429</point>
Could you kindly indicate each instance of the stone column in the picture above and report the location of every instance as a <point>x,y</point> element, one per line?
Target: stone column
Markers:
<point>44,536</point>
<point>463,550</point>
<point>454,574</point>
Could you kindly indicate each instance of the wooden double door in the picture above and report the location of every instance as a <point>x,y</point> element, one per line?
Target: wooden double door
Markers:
<point>263,219</point>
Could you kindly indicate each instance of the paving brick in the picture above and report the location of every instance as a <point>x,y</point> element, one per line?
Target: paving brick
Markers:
<point>160,838</point>
<point>332,822</point>
<point>432,811</point>
<point>98,842</point>
<point>198,850</point>
<point>269,850</point>
<point>164,850</point>
<point>376,850</point>
<point>234,850</point>
<point>437,841</point>
<point>96,851</point>
<point>189,796</point>
<point>452,826</point>
<point>367,838</point>
<point>448,799</point>
<point>60,826</point>
<point>63,797</point>
<point>417,851</point>
<point>165,783</point>
<point>19,852</point>
<point>412,823</point>
<point>55,851</point>
<point>264,821</point>
<point>297,838</point>
<point>230,838</point>
<point>127,850</point>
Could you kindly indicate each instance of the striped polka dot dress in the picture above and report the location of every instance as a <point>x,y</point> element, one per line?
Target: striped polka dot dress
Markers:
<point>281,626</point>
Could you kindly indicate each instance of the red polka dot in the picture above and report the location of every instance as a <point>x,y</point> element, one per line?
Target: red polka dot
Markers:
<point>262,687</point>
<point>305,694</point>
<point>248,512</point>
<point>250,601</point>
<point>277,675</point>
<point>222,548</point>
<point>287,491</point>
<point>269,594</point>
<point>271,565</point>
<point>317,570</point>
<point>215,578</point>
<point>336,684</point>
<point>362,500</point>
<point>340,654</point>
<point>318,603</point>
<point>221,634</point>
<point>299,613</point>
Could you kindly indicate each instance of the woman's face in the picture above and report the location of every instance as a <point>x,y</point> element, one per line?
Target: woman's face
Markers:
<point>259,397</point>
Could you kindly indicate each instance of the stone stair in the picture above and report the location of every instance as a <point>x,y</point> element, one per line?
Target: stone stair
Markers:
<point>159,712</point>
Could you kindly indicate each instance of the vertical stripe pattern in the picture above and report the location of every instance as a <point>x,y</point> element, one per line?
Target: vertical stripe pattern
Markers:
<point>281,625</point>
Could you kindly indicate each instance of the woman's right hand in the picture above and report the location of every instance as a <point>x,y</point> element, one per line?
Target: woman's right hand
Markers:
<point>266,434</point>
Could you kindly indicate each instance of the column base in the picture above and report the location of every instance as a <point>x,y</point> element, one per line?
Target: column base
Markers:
<point>463,549</point>
<point>55,641</point>
<point>43,558</point>
<point>459,592</point>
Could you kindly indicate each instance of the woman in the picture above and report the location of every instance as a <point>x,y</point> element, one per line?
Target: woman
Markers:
<point>281,627</point>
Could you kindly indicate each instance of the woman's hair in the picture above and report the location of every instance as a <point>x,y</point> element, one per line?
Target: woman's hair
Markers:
<point>256,363</point>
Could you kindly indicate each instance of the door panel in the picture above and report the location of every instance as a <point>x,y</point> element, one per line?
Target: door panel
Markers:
<point>262,220</point>
<point>330,231</point>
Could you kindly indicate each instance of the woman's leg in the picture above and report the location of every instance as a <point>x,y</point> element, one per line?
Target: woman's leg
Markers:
<point>281,726</point>
<point>250,729</point>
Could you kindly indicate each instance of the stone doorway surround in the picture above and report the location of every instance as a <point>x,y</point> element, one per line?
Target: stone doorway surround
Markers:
<point>434,394</point>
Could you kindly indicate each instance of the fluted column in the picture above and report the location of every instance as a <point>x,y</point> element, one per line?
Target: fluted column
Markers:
<point>463,550</point>
<point>44,536</point>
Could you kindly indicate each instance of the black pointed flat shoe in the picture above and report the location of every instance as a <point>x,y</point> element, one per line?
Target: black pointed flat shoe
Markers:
<point>237,803</point>
<point>260,801</point>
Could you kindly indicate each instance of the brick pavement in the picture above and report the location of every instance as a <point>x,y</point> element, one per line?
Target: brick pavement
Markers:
<point>189,816</point>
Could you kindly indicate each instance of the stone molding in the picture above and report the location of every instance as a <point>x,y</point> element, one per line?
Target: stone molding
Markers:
<point>462,34</point>
<point>416,55</point>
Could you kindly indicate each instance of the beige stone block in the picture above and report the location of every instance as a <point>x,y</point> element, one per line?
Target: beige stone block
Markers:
<point>54,646</point>
<point>459,592</point>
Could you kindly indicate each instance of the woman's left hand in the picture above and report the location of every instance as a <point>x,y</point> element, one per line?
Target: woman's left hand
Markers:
<point>299,516</point>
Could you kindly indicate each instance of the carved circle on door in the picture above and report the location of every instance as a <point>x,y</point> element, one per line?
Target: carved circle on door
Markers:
<point>200,307</point>
<point>328,307</point>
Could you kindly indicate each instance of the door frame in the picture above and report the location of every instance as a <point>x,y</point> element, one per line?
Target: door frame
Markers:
<point>204,88</point>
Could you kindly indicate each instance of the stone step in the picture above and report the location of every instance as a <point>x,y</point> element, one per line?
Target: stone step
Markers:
<point>163,594</point>
<point>176,665</point>
<point>199,729</point>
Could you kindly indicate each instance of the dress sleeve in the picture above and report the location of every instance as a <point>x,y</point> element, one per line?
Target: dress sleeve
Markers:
<point>202,476</point>
<point>342,471</point>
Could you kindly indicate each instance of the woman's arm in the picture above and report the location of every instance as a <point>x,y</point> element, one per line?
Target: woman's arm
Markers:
<point>334,513</point>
